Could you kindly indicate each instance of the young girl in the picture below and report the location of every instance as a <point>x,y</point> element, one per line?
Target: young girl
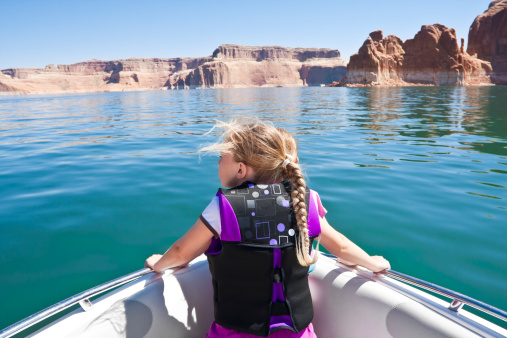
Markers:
<point>258,236</point>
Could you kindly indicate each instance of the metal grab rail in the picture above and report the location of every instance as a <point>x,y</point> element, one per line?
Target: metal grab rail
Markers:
<point>458,299</point>
<point>81,298</point>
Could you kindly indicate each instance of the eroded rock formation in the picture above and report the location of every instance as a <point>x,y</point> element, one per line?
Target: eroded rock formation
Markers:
<point>487,39</point>
<point>378,61</point>
<point>234,52</point>
<point>432,57</point>
<point>96,75</point>
<point>242,66</point>
<point>229,66</point>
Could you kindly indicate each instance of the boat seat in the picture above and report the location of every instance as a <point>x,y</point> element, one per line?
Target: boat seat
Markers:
<point>348,305</point>
<point>345,304</point>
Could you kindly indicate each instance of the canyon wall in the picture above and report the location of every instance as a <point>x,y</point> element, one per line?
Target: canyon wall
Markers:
<point>234,52</point>
<point>229,66</point>
<point>487,39</point>
<point>432,57</point>
<point>235,66</point>
<point>96,75</point>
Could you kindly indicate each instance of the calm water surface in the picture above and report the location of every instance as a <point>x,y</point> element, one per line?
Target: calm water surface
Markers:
<point>91,184</point>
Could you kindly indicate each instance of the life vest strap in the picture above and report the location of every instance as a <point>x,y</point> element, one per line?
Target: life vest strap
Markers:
<point>277,275</point>
<point>279,309</point>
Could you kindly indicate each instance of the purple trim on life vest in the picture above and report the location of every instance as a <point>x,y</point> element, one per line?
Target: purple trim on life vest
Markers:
<point>278,295</point>
<point>277,321</point>
<point>229,222</point>
<point>215,247</point>
<point>313,215</point>
<point>277,258</point>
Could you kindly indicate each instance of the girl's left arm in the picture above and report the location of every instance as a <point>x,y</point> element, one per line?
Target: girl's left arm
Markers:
<point>344,248</point>
<point>185,249</point>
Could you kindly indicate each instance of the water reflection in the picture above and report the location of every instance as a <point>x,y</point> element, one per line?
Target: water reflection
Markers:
<point>395,113</point>
<point>415,120</point>
<point>432,113</point>
<point>424,169</point>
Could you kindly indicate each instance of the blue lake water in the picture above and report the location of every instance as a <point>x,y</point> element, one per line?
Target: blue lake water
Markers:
<point>92,184</point>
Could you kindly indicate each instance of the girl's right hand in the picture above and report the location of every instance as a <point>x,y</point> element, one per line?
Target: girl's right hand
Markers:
<point>381,265</point>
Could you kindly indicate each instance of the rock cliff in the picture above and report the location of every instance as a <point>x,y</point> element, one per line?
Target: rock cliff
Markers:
<point>96,75</point>
<point>432,57</point>
<point>241,66</point>
<point>378,61</point>
<point>487,39</point>
<point>229,66</point>
<point>234,52</point>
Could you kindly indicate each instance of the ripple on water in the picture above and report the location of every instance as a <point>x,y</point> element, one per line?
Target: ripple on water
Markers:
<point>113,177</point>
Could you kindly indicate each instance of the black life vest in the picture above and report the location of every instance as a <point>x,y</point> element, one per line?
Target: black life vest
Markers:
<point>257,279</point>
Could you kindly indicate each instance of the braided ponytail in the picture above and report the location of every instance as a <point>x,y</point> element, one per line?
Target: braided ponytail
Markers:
<point>298,196</point>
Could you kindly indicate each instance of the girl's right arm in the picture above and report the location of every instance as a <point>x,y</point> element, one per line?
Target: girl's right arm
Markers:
<point>343,248</point>
<point>185,249</point>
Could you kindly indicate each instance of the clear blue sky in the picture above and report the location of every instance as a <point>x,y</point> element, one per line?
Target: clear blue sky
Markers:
<point>36,33</point>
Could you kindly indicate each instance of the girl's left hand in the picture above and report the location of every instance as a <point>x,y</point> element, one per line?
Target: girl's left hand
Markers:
<point>151,261</point>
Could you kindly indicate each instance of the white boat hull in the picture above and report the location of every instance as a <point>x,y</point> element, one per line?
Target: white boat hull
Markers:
<point>347,303</point>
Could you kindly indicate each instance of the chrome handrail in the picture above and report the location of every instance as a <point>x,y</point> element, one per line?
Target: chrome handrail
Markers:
<point>81,298</point>
<point>458,299</point>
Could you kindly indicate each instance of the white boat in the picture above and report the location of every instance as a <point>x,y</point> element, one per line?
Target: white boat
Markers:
<point>347,303</point>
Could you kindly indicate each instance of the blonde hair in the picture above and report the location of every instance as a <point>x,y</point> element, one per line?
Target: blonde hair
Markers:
<point>265,149</point>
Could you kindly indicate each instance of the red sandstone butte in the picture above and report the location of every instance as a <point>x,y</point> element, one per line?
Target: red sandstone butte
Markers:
<point>487,39</point>
<point>229,66</point>
<point>378,62</point>
<point>432,57</point>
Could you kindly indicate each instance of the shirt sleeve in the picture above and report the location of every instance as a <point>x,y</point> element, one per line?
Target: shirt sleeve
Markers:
<point>211,217</point>
<point>322,211</point>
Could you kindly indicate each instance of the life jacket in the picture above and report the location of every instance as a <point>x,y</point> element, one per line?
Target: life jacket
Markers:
<point>259,285</point>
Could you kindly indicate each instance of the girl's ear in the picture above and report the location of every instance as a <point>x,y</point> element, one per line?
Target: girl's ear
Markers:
<point>242,171</point>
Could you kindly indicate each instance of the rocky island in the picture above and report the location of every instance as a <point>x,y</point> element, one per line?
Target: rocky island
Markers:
<point>230,66</point>
<point>434,57</point>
